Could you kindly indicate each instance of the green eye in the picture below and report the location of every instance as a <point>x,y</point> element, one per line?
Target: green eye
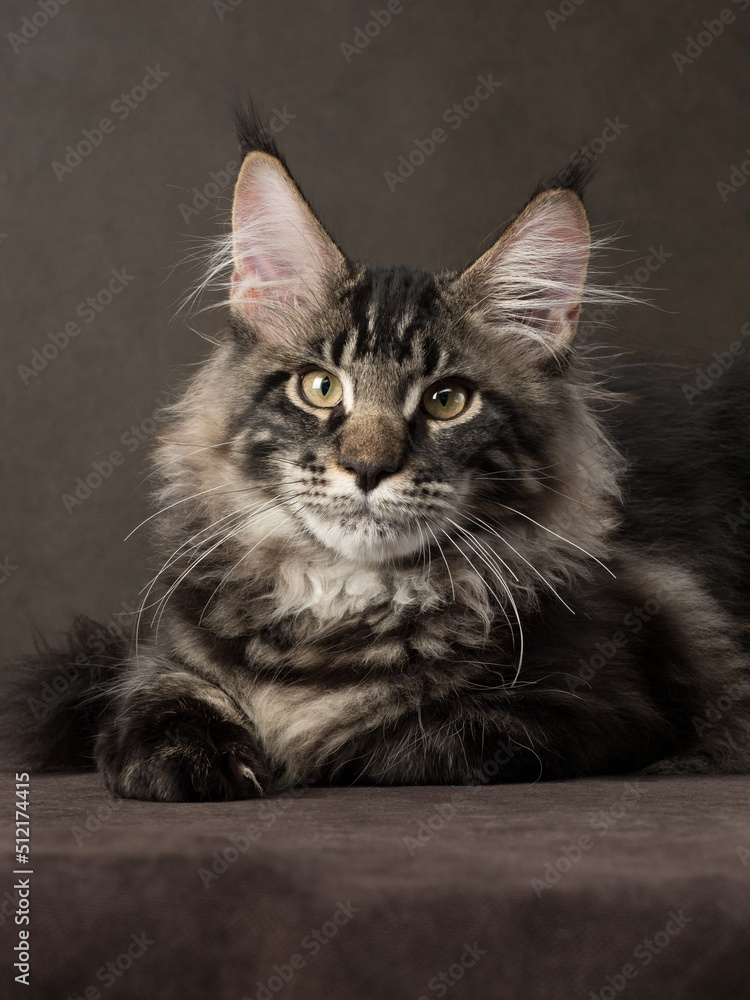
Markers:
<point>445,399</point>
<point>321,388</point>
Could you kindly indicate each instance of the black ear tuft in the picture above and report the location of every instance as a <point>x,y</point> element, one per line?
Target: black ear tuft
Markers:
<point>253,132</point>
<point>574,175</point>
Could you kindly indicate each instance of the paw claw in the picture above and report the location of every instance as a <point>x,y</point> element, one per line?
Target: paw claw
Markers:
<point>242,770</point>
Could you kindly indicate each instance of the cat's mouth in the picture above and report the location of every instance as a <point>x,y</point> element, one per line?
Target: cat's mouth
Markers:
<point>363,532</point>
<point>368,523</point>
<point>366,516</point>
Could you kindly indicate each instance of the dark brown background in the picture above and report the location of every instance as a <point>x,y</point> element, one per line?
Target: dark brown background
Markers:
<point>120,207</point>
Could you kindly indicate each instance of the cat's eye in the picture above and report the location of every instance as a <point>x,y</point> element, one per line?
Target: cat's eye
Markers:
<point>445,399</point>
<point>320,388</point>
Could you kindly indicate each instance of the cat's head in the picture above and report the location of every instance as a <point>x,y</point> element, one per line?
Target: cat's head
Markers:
<point>384,411</point>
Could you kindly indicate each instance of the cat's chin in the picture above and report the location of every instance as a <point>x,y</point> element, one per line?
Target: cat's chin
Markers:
<point>365,538</point>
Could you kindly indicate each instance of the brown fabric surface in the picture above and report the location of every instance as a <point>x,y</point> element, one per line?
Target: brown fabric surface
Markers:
<point>397,883</point>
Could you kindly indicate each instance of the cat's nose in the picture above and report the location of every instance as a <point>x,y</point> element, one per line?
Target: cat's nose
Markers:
<point>369,474</point>
<point>372,446</point>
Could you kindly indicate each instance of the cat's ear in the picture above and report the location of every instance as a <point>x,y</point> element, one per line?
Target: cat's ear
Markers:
<point>283,258</point>
<point>531,281</point>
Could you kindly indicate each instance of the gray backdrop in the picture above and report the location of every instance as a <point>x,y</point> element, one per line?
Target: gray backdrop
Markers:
<point>665,117</point>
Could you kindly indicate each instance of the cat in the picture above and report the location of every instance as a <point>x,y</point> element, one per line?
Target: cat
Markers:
<point>410,532</point>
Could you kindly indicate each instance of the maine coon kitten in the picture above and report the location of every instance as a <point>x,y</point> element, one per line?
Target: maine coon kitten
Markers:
<point>399,544</point>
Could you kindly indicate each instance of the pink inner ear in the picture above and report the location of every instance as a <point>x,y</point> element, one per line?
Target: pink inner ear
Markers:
<point>573,258</point>
<point>552,244</point>
<point>553,241</point>
<point>573,314</point>
<point>263,250</point>
<point>282,255</point>
<point>253,271</point>
<point>532,279</point>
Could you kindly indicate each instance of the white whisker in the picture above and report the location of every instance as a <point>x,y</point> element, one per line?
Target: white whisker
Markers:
<point>561,537</point>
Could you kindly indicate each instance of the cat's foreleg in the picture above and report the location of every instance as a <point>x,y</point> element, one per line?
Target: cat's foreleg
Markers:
<point>179,738</point>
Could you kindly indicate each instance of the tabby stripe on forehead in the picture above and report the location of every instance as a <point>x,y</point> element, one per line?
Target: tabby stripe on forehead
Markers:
<point>338,345</point>
<point>431,353</point>
<point>360,303</point>
<point>422,310</point>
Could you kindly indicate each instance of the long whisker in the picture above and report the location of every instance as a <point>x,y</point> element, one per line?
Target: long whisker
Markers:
<point>213,489</point>
<point>242,558</point>
<point>561,537</point>
<point>190,543</point>
<point>175,555</point>
<point>531,566</point>
<point>242,510</point>
<point>162,603</point>
<point>494,554</point>
<point>471,537</point>
<point>422,553</point>
<point>440,549</point>
<point>500,603</point>
<point>234,531</point>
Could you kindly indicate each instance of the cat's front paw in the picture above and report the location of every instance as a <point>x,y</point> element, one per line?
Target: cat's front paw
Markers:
<point>185,753</point>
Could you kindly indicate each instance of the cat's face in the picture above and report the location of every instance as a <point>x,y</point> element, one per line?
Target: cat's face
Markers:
<point>392,417</point>
<point>386,409</point>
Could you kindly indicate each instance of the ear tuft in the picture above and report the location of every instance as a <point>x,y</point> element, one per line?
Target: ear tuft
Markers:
<point>575,175</point>
<point>531,281</point>
<point>252,131</point>
<point>284,261</point>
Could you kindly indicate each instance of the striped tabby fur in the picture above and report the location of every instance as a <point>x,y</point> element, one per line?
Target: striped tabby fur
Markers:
<point>363,593</point>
